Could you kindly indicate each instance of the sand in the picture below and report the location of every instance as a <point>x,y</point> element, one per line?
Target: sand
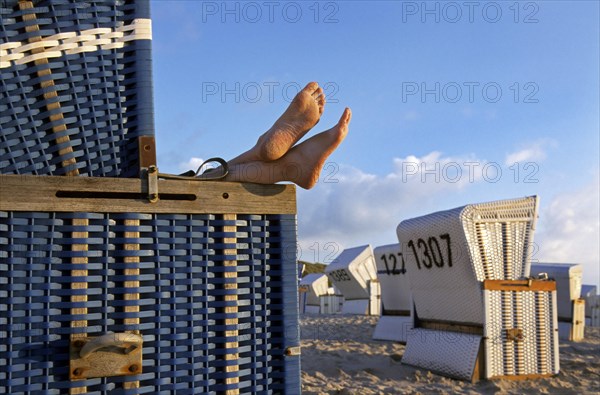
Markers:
<point>340,357</point>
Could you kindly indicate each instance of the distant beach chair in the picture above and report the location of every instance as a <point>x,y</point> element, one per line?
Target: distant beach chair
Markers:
<point>354,273</point>
<point>570,304</point>
<point>592,304</point>
<point>475,315</point>
<point>332,302</point>
<point>312,287</point>
<point>397,317</point>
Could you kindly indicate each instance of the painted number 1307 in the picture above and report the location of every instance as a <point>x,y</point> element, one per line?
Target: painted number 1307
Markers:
<point>429,252</point>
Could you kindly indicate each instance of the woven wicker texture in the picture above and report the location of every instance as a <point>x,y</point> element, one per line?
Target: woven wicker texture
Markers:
<point>451,354</point>
<point>395,328</point>
<point>533,313</point>
<point>449,293</point>
<point>182,300</point>
<point>75,86</point>
<point>500,237</point>
<point>448,254</point>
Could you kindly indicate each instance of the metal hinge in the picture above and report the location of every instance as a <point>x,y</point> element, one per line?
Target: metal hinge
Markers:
<point>152,180</point>
<point>113,354</point>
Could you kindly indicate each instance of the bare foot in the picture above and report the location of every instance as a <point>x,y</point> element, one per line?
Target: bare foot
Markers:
<point>302,114</point>
<point>309,157</point>
<point>302,165</point>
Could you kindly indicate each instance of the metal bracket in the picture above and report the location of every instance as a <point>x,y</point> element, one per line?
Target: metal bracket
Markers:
<point>113,354</point>
<point>514,334</point>
<point>293,351</point>
<point>147,151</point>
<point>152,178</point>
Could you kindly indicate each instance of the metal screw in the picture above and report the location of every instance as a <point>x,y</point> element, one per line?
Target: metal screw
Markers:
<point>225,195</point>
<point>152,169</point>
<point>133,368</point>
<point>77,372</point>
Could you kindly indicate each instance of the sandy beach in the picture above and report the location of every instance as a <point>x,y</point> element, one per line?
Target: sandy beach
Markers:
<point>340,357</point>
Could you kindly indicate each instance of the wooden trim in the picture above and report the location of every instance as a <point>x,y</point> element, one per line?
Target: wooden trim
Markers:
<point>132,285</point>
<point>543,343</point>
<point>79,285</point>
<point>70,163</point>
<point>479,370</point>
<point>471,329</point>
<point>522,377</point>
<point>129,195</point>
<point>519,285</point>
<point>396,313</point>
<point>233,310</point>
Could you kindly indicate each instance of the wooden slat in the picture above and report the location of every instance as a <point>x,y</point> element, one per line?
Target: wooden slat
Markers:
<point>66,163</point>
<point>519,285</point>
<point>451,327</point>
<point>35,193</point>
<point>231,309</point>
<point>79,285</point>
<point>134,271</point>
<point>479,370</point>
<point>543,343</point>
<point>523,377</point>
<point>400,313</point>
<point>69,164</point>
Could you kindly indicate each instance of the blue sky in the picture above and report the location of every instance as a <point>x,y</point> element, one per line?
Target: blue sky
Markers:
<point>503,97</point>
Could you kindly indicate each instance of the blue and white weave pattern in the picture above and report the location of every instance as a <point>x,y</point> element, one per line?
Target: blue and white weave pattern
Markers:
<point>75,86</point>
<point>181,301</point>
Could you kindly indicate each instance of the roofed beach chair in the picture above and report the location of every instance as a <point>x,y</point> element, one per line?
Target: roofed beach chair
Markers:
<point>354,273</point>
<point>478,313</point>
<point>121,282</point>
<point>397,316</point>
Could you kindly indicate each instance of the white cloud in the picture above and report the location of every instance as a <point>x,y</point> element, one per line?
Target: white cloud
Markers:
<point>352,207</point>
<point>191,164</point>
<point>569,230</point>
<point>534,152</point>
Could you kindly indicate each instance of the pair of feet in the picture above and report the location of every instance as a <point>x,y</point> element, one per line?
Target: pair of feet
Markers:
<point>276,157</point>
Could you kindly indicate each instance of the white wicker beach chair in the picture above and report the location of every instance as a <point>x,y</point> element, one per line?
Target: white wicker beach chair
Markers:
<point>476,315</point>
<point>354,273</point>
<point>397,305</point>
<point>570,306</point>
<point>311,288</point>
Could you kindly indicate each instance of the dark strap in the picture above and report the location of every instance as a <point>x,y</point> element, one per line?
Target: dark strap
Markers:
<point>219,173</point>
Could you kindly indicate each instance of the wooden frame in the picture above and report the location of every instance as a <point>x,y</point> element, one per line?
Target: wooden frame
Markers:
<point>64,194</point>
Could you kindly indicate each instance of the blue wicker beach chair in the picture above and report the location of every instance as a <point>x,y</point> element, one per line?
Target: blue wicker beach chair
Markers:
<point>115,284</point>
<point>75,87</point>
